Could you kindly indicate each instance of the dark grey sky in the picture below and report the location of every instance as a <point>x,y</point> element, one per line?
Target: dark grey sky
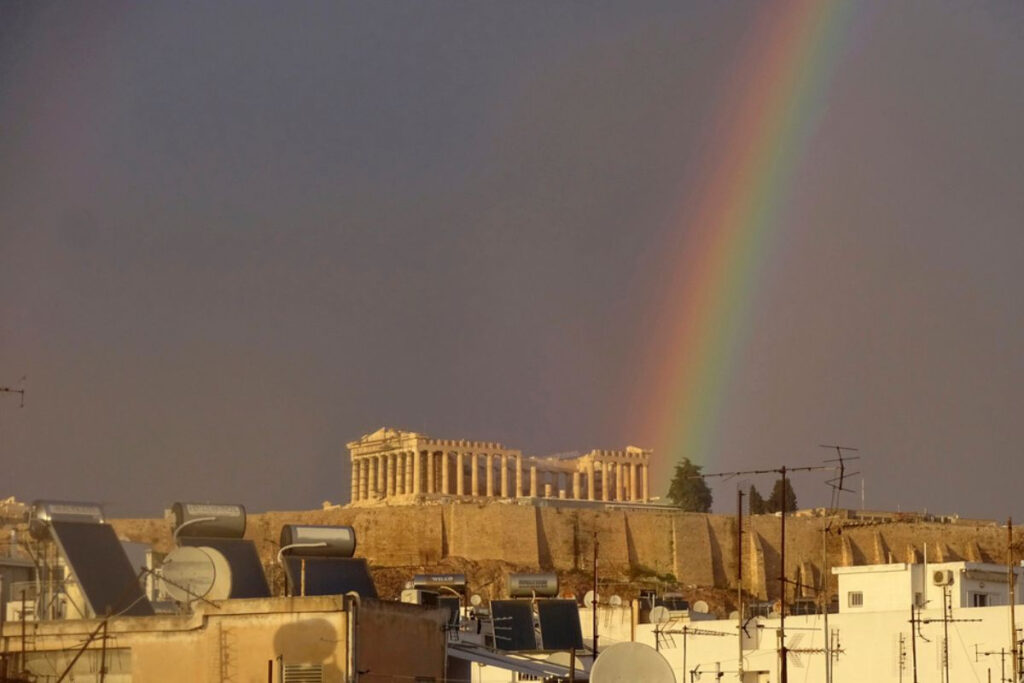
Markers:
<point>234,236</point>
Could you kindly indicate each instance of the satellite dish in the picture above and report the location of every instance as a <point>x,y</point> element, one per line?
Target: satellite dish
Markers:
<point>631,662</point>
<point>734,615</point>
<point>475,600</point>
<point>700,607</point>
<point>590,598</point>
<point>615,601</point>
<point>660,615</point>
<point>190,573</point>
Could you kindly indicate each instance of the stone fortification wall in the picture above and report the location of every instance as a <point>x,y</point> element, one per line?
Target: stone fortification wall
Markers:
<point>695,549</point>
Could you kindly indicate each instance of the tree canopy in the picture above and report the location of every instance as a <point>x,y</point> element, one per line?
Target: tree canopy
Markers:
<point>687,490</point>
<point>757,506</point>
<point>774,502</point>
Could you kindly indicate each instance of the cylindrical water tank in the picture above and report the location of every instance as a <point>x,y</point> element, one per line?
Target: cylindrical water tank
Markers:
<point>456,582</point>
<point>318,541</point>
<point>45,511</point>
<point>208,520</point>
<point>527,585</point>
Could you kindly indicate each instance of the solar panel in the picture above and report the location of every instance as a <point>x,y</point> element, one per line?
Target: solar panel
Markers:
<point>513,625</point>
<point>247,578</point>
<point>330,576</point>
<point>560,625</point>
<point>101,567</point>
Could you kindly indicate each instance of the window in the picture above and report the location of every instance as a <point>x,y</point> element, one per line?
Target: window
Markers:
<point>979,599</point>
<point>855,599</point>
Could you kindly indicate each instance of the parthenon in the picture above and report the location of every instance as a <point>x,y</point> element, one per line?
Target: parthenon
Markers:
<point>392,466</point>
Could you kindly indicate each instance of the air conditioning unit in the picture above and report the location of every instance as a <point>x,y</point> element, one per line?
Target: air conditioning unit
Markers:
<point>942,577</point>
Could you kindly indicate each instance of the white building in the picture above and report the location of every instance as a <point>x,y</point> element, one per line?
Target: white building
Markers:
<point>870,637</point>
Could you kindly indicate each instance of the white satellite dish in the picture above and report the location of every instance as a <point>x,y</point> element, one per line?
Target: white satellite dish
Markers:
<point>660,615</point>
<point>589,599</point>
<point>631,662</point>
<point>190,573</point>
<point>734,615</point>
<point>615,601</point>
<point>475,600</point>
<point>701,607</point>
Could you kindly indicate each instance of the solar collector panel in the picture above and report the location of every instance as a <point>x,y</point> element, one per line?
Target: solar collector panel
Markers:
<point>100,565</point>
<point>513,625</point>
<point>329,576</point>
<point>560,624</point>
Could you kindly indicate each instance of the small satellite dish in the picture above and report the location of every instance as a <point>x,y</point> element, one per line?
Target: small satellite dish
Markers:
<point>734,615</point>
<point>701,607</point>
<point>631,662</point>
<point>660,615</point>
<point>589,599</point>
<point>475,600</point>
<point>193,572</point>
<point>615,601</point>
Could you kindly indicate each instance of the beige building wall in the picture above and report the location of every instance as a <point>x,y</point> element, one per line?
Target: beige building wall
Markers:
<point>242,640</point>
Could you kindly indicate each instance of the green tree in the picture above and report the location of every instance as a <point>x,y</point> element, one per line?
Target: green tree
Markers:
<point>688,490</point>
<point>757,504</point>
<point>774,502</point>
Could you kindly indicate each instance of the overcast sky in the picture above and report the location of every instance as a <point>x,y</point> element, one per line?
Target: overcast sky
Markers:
<point>235,236</point>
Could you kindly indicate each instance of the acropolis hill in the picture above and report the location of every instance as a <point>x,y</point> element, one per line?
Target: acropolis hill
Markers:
<point>636,544</point>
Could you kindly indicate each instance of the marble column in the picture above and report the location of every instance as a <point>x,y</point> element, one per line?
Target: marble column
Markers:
<point>533,482</point>
<point>417,472</point>
<point>519,476</point>
<point>354,485</point>
<point>504,475</point>
<point>606,481</point>
<point>631,479</point>
<point>646,483</point>
<point>385,486</point>
<point>409,457</point>
<point>489,464</point>
<point>460,476</point>
<point>474,475</point>
<point>576,478</point>
<point>357,495</point>
<point>445,477</point>
<point>393,481</point>
<point>430,473</point>
<point>591,481</point>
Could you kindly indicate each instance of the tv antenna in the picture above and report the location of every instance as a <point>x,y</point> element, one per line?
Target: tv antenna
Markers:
<point>783,472</point>
<point>837,482</point>
<point>20,390</point>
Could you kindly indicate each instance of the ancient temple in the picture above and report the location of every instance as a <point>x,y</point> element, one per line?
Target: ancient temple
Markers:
<point>391,466</point>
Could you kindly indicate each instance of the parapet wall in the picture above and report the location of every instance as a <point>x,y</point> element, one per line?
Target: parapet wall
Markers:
<point>696,549</point>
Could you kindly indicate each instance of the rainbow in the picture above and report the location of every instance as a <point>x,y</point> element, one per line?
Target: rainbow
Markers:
<point>759,136</point>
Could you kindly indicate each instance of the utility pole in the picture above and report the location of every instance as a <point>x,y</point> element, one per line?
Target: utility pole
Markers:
<point>13,390</point>
<point>594,603</point>
<point>1011,579</point>
<point>739,583</point>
